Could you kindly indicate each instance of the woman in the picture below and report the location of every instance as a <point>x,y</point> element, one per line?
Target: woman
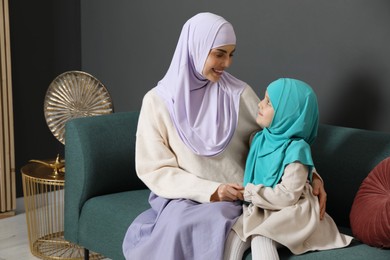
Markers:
<point>192,142</point>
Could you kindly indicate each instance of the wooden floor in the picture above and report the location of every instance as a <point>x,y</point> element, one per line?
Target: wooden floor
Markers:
<point>14,239</point>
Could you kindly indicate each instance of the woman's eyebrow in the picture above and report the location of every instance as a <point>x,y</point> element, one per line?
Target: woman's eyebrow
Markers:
<point>224,51</point>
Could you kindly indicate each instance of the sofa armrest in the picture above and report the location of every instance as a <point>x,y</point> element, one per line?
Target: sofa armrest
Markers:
<point>344,157</point>
<point>99,159</point>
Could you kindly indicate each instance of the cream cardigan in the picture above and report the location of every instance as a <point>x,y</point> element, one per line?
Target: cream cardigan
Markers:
<point>171,170</point>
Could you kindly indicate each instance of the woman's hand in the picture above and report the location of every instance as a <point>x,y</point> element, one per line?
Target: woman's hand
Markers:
<point>228,192</point>
<point>319,190</point>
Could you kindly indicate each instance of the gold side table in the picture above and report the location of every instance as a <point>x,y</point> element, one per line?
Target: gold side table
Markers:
<point>44,202</point>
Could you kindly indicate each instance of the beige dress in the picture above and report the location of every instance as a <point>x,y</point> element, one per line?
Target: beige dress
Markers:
<point>289,215</point>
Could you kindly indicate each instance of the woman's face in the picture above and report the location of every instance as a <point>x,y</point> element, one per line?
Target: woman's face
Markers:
<point>266,112</point>
<point>217,61</point>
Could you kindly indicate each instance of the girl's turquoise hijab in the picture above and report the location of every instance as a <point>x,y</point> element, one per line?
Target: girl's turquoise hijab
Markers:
<point>288,138</point>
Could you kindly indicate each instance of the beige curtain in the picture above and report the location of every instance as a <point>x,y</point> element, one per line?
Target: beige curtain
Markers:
<point>7,154</point>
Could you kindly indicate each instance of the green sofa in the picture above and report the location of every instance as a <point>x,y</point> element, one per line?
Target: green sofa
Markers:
<point>103,193</point>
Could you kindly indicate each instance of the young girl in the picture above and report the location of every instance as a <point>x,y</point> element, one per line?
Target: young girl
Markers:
<point>282,208</point>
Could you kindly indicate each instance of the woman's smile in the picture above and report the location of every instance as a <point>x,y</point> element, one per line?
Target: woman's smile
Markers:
<point>219,72</point>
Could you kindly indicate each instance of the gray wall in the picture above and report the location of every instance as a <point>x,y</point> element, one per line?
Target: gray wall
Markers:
<point>341,48</point>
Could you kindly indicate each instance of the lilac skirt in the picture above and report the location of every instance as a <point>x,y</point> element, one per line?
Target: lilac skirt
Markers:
<point>180,229</point>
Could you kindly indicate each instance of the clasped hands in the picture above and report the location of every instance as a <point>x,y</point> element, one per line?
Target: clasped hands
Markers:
<point>234,191</point>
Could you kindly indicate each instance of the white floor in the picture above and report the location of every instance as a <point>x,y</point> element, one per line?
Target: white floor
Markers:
<point>14,244</point>
<point>14,239</point>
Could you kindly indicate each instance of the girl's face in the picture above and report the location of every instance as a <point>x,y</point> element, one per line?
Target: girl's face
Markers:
<point>266,112</point>
<point>217,61</point>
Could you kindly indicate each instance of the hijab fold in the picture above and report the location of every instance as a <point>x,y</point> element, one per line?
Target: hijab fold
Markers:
<point>289,136</point>
<point>204,113</point>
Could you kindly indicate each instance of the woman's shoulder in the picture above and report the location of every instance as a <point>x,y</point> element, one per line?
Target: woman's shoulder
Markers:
<point>248,103</point>
<point>153,113</point>
<point>151,98</point>
<point>151,95</point>
<point>153,106</point>
<point>249,93</point>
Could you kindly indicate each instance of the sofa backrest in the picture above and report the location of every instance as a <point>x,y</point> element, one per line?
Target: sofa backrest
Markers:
<point>344,157</point>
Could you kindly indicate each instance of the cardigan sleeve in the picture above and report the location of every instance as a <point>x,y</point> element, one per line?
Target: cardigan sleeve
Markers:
<point>284,194</point>
<point>156,163</point>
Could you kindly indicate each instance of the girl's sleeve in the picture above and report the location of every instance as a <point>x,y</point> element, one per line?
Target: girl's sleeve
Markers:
<point>157,164</point>
<point>284,194</point>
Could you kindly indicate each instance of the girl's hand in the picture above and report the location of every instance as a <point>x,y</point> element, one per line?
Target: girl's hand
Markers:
<point>319,190</point>
<point>228,192</point>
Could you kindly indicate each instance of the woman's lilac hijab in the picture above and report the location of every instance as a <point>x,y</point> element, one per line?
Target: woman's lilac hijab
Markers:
<point>204,113</point>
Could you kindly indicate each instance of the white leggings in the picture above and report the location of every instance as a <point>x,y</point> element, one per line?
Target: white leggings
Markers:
<point>263,248</point>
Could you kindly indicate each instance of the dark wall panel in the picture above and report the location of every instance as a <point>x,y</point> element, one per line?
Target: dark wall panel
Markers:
<point>45,41</point>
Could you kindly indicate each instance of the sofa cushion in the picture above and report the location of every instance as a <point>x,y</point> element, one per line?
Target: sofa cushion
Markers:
<point>370,212</point>
<point>104,220</point>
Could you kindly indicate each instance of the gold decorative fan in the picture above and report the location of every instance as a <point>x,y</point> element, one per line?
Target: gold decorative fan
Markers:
<point>74,94</point>
<point>71,95</point>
